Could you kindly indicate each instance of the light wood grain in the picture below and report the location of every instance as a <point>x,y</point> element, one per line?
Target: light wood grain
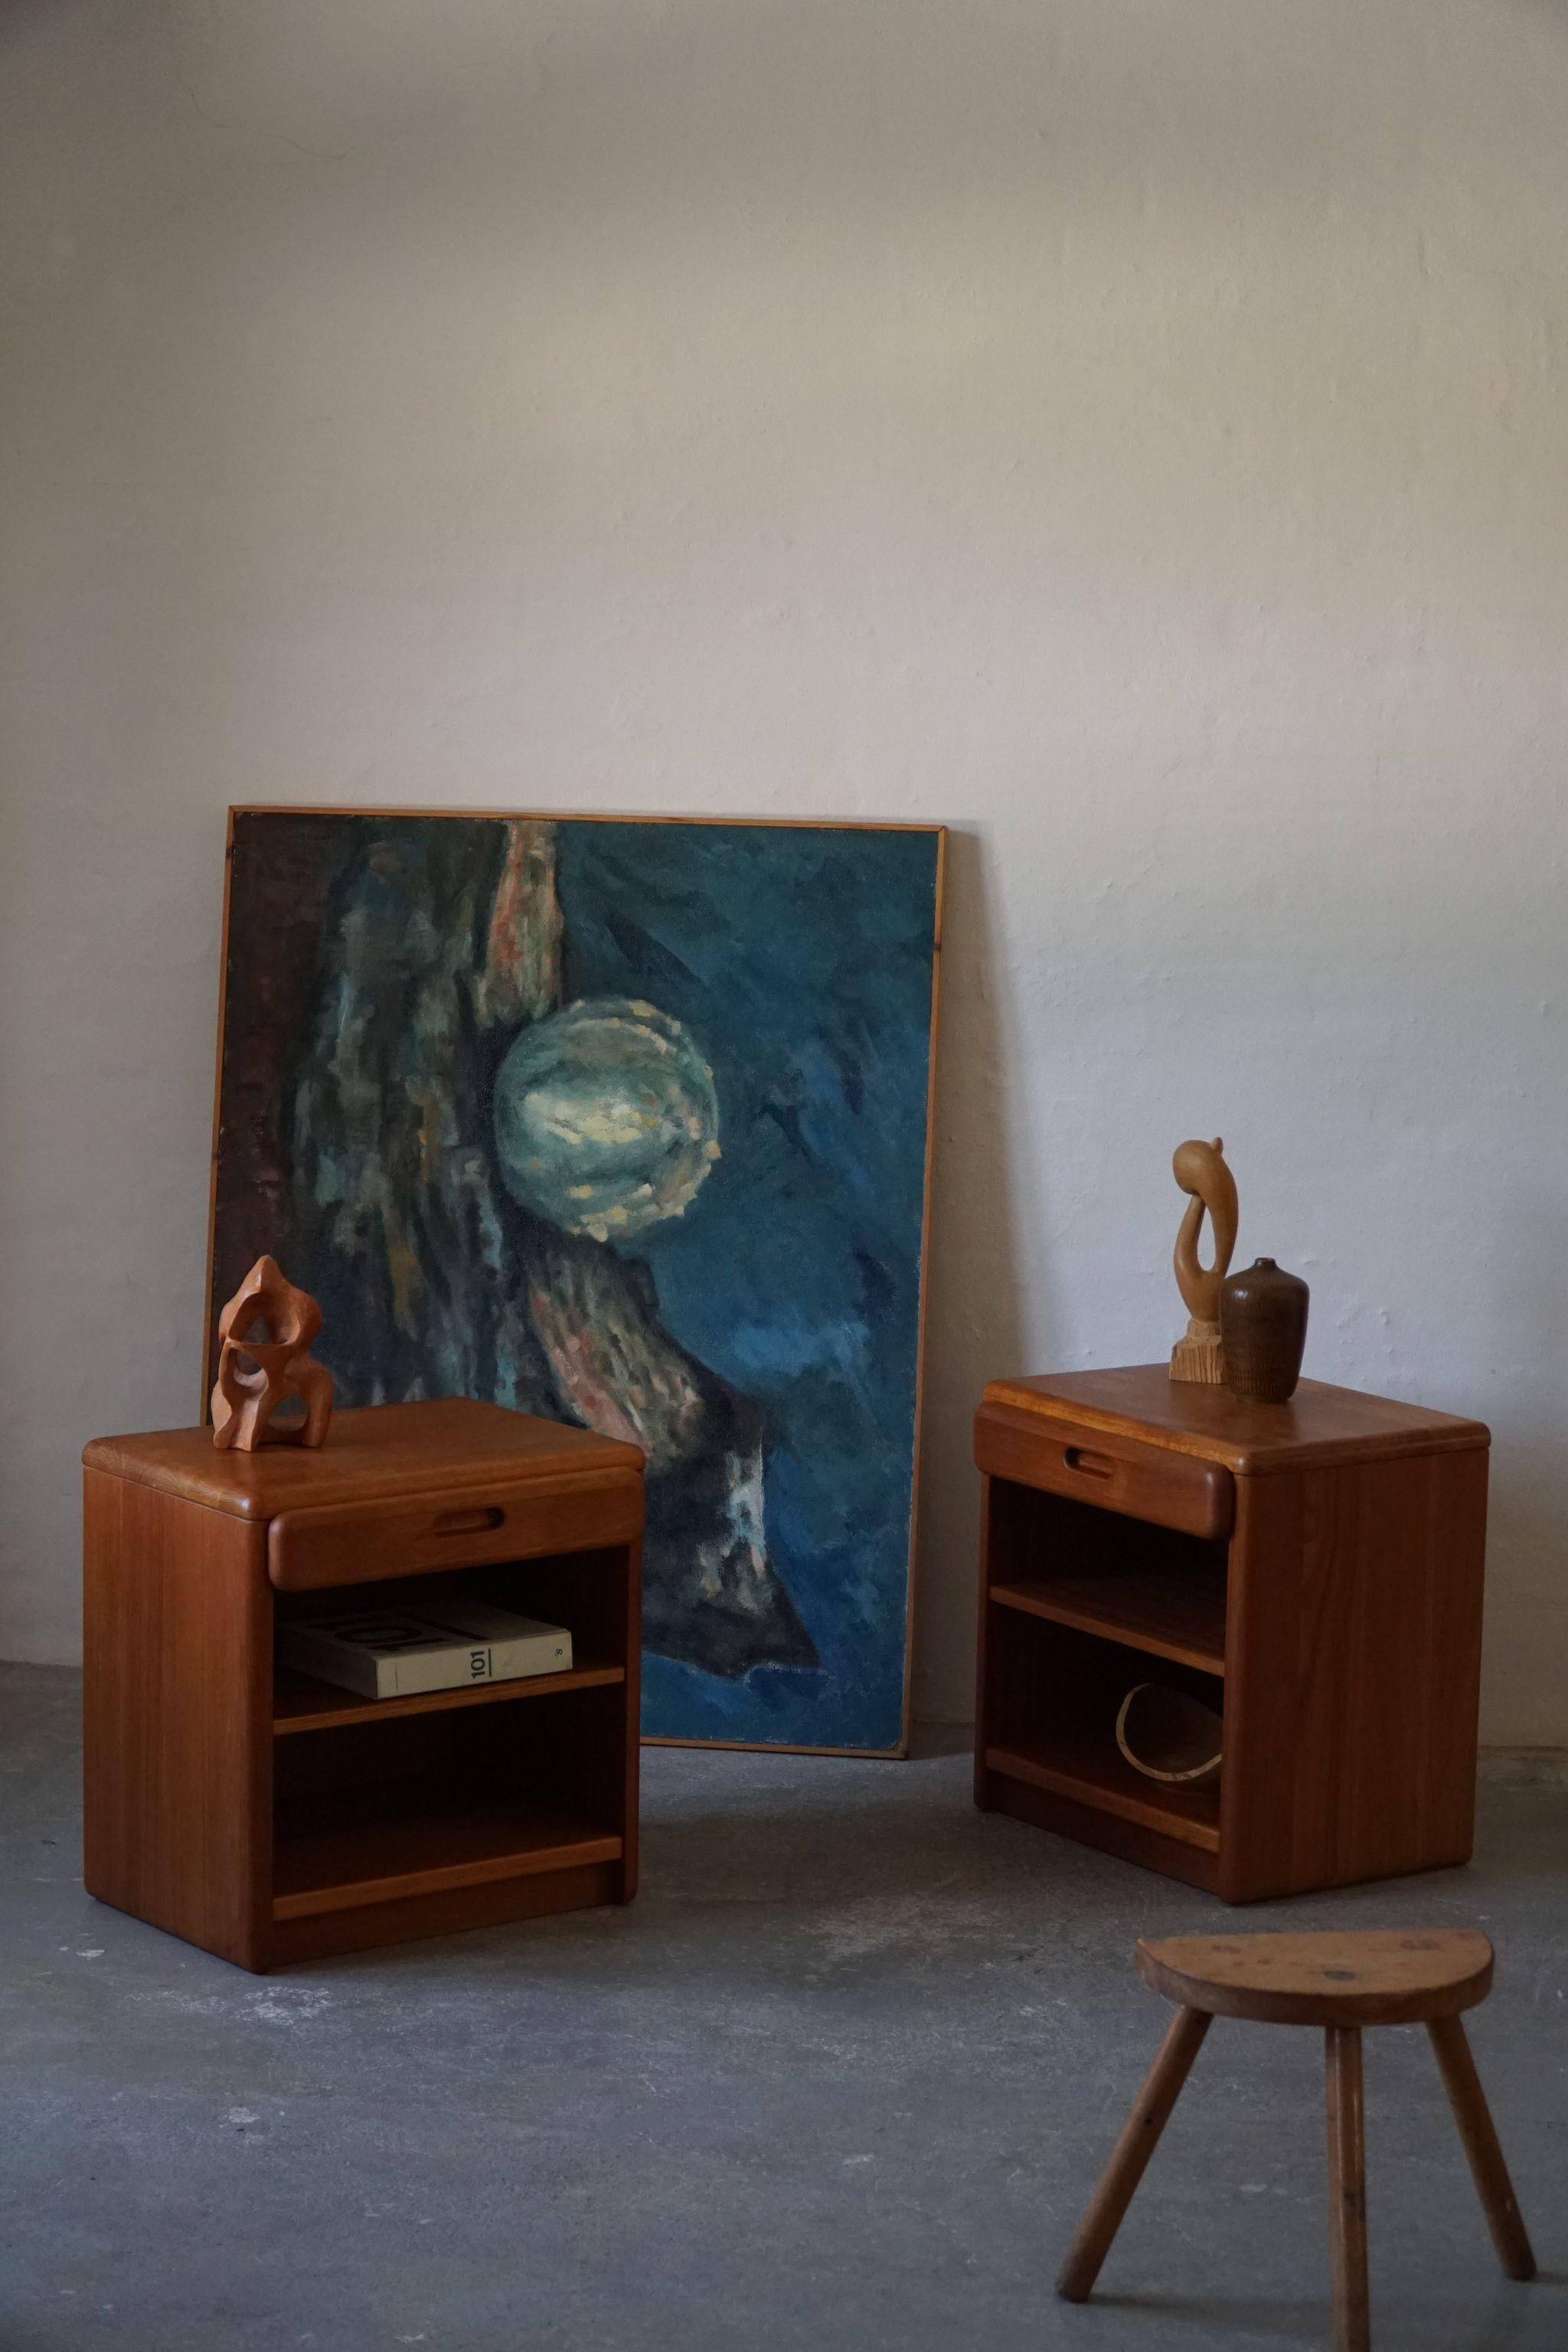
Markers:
<point>1482,2152</point>
<point>1395,1976</point>
<point>1140,2136</point>
<point>1347,2189</point>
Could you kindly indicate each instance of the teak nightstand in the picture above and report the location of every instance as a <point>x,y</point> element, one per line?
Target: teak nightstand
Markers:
<point>1311,1569</point>
<point>270,1818</point>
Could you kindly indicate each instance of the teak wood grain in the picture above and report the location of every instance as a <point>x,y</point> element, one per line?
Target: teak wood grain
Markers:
<point>376,1453</point>
<point>1314,1568</point>
<point>1084,1772</point>
<point>1110,1472</point>
<point>351,1543</point>
<point>332,1871</point>
<point>1352,1673</point>
<point>299,1703</point>
<point>1138,1609</point>
<point>271,1819</point>
<point>1320,1425</point>
<point>177,1717</point>
<point>492,1902</point>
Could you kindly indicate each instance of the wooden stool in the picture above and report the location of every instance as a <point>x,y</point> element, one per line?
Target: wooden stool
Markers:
<point>1391,1977</point>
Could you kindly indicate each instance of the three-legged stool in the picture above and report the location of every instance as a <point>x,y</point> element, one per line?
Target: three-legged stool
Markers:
<point>1391,1977</point>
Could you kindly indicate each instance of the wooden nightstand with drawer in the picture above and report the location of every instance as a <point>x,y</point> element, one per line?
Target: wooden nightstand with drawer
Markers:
<point>1312,1571</point>
<point>271,1818</point>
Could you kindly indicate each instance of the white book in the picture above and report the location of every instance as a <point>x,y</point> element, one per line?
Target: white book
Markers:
<point>428,1647</point>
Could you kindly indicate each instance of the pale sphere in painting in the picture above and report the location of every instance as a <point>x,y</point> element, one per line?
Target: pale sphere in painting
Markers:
<point>605,1117</point>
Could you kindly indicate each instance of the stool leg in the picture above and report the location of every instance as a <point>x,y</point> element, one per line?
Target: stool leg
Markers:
<point>1487,2169</point>
<point>1347,2190</point>
<point>1140,2134</point>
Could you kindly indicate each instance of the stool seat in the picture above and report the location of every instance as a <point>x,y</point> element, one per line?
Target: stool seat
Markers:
<point>1392,1976</point>
<point>1388,1976</point>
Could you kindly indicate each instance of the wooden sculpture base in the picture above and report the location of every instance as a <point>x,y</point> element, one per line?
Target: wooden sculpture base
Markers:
<point>1198,1356</point>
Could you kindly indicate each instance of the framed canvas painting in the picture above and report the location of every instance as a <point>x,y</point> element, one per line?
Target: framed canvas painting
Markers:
<point>624,1122</point>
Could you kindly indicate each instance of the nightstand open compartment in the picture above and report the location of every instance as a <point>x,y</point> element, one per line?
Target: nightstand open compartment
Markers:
<point>272,1817</point>
<point>378,1801</point>
<point>1312,1571</point>
<point>1090,1604</point>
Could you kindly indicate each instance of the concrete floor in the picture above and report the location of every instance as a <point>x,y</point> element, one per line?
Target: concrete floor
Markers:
<point>839,2080</point>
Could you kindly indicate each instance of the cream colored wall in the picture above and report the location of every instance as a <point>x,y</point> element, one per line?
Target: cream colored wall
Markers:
<point>1134,432</point>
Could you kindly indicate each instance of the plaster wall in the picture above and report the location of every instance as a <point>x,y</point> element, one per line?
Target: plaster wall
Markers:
<point>1135,434</point>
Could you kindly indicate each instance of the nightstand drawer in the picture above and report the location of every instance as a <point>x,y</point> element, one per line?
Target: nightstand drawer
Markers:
<point>359,1543</point>
<point>1109,1473</point>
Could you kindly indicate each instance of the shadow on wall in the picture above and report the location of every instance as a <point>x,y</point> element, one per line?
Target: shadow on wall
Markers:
<point>974,1328</point>
<point>882,104</point>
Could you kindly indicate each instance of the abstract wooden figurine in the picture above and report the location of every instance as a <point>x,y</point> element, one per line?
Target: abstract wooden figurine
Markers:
<point>1200,1170</point>
<point>255,1374</point>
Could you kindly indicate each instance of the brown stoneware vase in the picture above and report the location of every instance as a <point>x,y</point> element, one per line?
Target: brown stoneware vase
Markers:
<point>1263,1330</point>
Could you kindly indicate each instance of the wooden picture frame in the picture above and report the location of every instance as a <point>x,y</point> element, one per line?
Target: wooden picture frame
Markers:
<point>280,947</point>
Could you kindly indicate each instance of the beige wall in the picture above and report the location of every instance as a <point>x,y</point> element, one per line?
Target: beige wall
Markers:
<point>1135,434</point>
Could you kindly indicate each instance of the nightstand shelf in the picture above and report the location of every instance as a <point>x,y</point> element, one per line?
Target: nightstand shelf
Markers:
<point>1091,1770</point>
<point>1179,1617</point>
<point>1312,1571</point>
<point>366,1846</point>
<point>299,1703</point>
<point>272,1818</point>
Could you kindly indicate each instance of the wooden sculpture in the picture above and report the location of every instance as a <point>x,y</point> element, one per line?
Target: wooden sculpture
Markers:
<point>255,1374</point>
<point>1200,1170</point>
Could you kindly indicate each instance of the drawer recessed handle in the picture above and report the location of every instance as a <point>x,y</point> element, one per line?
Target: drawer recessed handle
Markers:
<point>469,1523</point>
<point>1092,1466</point>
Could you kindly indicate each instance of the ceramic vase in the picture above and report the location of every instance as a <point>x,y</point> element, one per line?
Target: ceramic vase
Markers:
<point>1263,1330</point>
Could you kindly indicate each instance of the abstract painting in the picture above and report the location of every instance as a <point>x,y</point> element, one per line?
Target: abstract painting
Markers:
<point>625,1123</point>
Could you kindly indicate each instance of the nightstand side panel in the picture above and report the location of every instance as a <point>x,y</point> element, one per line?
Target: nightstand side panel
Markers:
<point>1352,1673</point>
<point>177,1703</point>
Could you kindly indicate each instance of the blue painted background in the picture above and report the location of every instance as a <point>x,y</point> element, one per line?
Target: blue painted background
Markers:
<point>801,960</point>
